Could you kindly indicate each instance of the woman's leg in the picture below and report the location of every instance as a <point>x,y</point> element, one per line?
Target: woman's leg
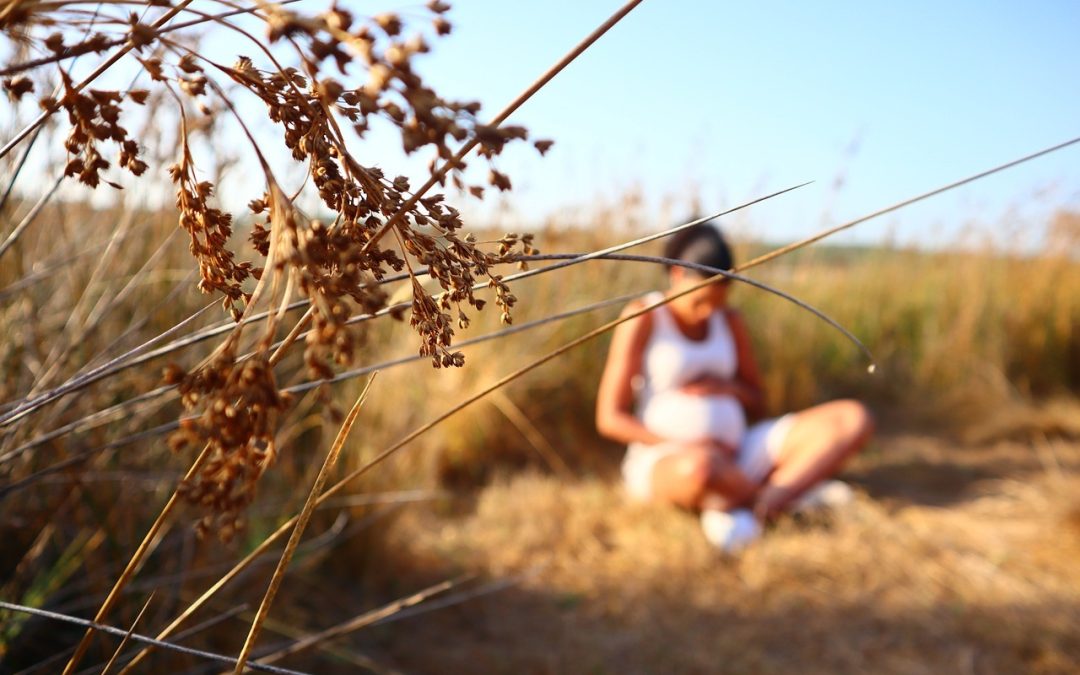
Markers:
<point>698,472</point>
<point>819,441</point>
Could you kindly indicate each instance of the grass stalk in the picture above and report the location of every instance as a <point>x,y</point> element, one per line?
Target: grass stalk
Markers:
<point>828,232</point>
<point>303,387</point>
<point>361,621</point>
<point>124,640</point>
<point>510,410</point>
<point>17,232</point>
<point>136,637</point>
<point>133,563</point>
<point>301,524</point>
<point>568,260</point>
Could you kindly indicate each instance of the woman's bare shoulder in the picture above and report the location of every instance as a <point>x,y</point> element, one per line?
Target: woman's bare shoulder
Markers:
<point>640,324</point>
<point>635,306</point>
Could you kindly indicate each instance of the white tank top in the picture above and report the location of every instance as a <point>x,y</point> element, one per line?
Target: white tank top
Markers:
<point>672,360</point>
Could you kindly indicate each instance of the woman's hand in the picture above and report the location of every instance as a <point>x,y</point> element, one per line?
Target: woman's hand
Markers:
<point>707,385</point>
<point>714,446</point>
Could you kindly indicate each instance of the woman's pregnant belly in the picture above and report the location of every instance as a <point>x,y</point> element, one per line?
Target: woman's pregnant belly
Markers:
<point>685,417</point>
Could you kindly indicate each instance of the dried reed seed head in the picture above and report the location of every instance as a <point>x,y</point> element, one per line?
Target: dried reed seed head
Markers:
<point>543,146</point>
<point>94,116</point>
<point>188,64</point>
<point>209,230</point>
<point>140,34</point>
<point>336,265</point>
<point>55,42</point>
<point>237,406</point>
<point>362,195</point>
<point>389,23</point>
<point>17,87</point>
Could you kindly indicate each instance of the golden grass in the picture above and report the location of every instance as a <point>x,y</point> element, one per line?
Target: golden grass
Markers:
<point>958,338</point>
<point>947,576</point>
<point>968,334</point>
<point>976,341</point>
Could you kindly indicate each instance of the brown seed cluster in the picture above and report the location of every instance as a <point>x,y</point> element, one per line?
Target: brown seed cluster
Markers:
<point>340,260</point>
<point>17,87</point>
<point>95,117</point>
<point>210,229</point>
<point>240,406</point>
<point>351,74</point>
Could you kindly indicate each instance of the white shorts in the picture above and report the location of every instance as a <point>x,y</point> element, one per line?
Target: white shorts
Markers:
<point>756,457</point>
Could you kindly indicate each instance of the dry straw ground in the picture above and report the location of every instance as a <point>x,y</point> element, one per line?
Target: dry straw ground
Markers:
<point>953,559</point>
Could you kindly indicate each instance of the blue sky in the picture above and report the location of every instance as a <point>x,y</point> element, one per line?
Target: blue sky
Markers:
<point>728,101</point>
<point>722,102</point>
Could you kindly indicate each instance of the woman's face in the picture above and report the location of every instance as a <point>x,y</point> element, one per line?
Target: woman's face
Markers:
<point>696,306</point>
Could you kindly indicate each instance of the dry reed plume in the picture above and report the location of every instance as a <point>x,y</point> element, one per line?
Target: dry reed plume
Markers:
<point>235,404</point>
<point>335,265</point>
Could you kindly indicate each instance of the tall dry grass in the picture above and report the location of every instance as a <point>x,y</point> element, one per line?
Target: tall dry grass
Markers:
<point>958,337</point>
<point>971,332</point>
<point>235,408</point>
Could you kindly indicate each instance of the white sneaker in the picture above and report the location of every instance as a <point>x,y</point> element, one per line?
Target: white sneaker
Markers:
<point>730,531</point>
<point>825,496</point>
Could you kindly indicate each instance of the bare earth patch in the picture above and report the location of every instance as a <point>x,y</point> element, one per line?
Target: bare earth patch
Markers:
<point>953,559</point>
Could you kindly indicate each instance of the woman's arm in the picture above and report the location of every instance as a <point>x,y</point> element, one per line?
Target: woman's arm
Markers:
<point>615,400</point>
<point>749,388</point>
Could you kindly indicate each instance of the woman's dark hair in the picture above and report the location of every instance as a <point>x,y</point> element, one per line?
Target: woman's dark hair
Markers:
<point>703,244</point>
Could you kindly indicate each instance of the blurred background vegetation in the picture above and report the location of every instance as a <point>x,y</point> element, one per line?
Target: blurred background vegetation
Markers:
<point>959,555</point>
<point>963,340</point>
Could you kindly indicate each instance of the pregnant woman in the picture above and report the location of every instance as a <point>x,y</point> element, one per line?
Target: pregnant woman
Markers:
<point>680,387</point>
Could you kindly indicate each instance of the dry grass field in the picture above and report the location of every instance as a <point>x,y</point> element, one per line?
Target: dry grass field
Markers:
<point>958,556</point>
<point>499,539</point>
<point>955,558</point>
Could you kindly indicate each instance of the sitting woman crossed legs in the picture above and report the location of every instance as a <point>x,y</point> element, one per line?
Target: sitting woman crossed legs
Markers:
<point>678,387</point>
